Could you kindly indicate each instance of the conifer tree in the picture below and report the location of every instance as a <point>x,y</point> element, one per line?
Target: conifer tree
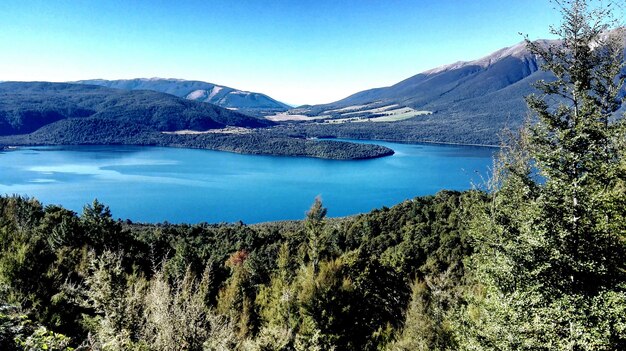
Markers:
<point>550,266</point>
<point>316,239</point>
<point>277,302</point>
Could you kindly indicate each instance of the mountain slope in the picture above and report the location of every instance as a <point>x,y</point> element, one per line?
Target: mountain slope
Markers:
<point>478,98</point>
<point>463,102</point>
<point>28,106</point>
<point>247,102</point>
<point>439,88</point>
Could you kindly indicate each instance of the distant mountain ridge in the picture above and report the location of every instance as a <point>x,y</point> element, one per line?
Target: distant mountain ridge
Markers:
<point>244,101</point>
<point>462,102</point>
<point>28,106</point>
<point>442,88</point>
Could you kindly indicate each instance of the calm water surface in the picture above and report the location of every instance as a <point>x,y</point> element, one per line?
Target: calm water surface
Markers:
<point>153,184</point>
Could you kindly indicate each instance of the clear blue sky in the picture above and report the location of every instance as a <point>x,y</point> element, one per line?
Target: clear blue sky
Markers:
<point>296,51</point>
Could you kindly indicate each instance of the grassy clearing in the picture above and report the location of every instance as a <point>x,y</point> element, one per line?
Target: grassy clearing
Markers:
<point>400,115</point>
<point>396,115</point>
<point>346,109</point>
<point>374,110</point>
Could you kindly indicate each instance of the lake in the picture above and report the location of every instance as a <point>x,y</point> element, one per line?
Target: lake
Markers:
<point>155,184</point>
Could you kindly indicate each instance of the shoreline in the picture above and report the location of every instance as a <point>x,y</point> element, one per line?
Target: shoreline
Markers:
<point>410,142</point>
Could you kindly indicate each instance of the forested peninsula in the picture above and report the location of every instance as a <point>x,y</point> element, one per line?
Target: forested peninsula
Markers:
<point>249,142</point>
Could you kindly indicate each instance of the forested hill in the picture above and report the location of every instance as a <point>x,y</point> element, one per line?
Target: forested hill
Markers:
<point>28,106</point>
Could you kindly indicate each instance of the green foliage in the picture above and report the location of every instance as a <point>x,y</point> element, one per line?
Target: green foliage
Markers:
<point>277,301</point>
<point>177,315</point>
<point>552,244</point>
<point>43,339</point>
<point>430,316</point>
<point>115,285</point>
<point>235,299</point>
<point>17,332</point>
<point>418,331</point>
<point>101,230</point>
<point>317,237</point>
<point>12,326</point>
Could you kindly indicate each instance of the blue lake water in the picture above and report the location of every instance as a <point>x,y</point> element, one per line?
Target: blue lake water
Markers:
<point>154,184</point>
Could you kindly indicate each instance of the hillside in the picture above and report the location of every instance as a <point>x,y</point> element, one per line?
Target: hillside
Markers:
<point>464,102</point>
<point>438,88</point>
<point>248,102</point>
<point>26,107</point>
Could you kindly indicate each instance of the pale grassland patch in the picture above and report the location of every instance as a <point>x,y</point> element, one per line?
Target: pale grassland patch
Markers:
<point>283,117</point>
<point>395,115</point>
<point>373,110</point>
<point>345,109</point>
<point>227,130</point>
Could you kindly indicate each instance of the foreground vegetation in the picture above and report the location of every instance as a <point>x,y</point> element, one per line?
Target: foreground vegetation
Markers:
<point>534,262</point>
<point>318,283</point>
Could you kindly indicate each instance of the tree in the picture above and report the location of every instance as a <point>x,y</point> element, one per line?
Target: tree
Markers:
<point>550,270</point>
<point>277,302</point>
<point>575,147</point>
<point>101,230</point>
<point>418,331</point>
<point>427,323</point>
<point>236,298</point>
<point>315,235</point>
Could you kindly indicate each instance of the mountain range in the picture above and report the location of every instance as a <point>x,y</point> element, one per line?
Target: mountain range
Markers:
<point>28,106</point>
<point>463,102</point>
<point>436,89</point>
<point>473,100</point>
<point>467,102</point>
<point>251,103</point>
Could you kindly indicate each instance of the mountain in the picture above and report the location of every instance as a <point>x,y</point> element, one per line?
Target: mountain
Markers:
<point>28,106</point>
<point>459,81</point>
<point>248,102</point>
<point>477,97</point>
<point>463,102</point>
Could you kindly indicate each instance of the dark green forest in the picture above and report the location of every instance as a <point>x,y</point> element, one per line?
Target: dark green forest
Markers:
<point>535,259</point>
